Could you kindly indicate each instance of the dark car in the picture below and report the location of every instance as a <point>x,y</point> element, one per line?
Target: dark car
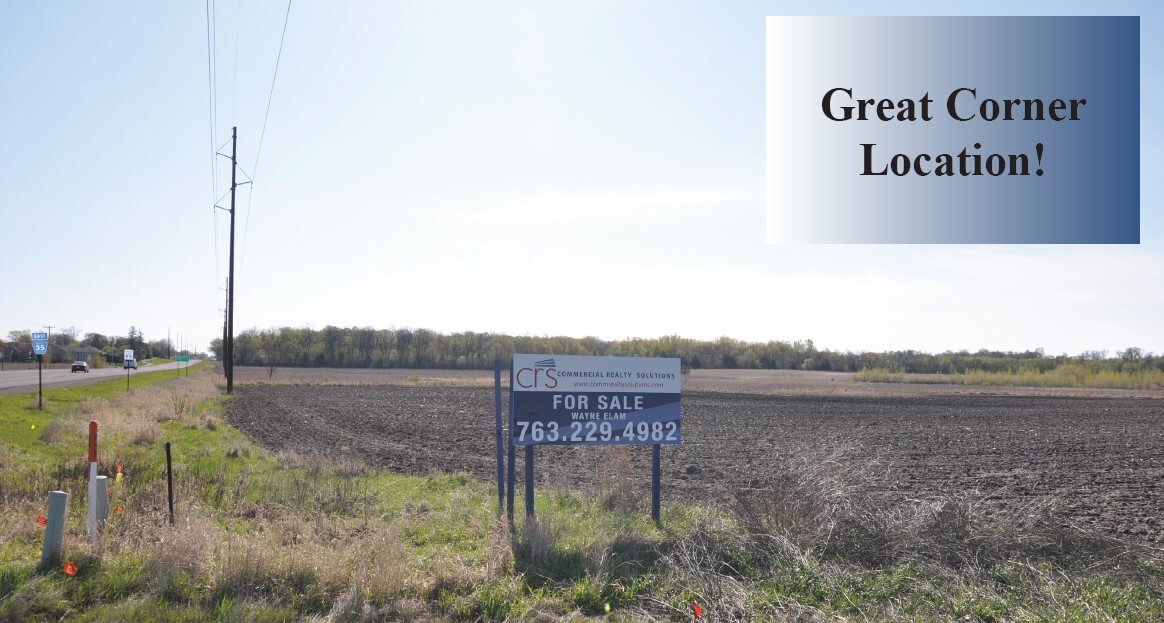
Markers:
<point>80,366</point>
<point>129,363</point>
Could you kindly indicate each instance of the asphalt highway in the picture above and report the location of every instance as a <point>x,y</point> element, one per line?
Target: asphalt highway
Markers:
<point>16,378</point>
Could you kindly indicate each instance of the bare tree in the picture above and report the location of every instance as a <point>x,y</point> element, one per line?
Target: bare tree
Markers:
<point>271,342</point>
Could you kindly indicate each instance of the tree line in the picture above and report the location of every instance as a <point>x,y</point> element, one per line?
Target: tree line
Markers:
<point>365,347</point>
<point>18,345</point>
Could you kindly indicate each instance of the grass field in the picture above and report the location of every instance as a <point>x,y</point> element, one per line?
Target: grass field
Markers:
<point>280,537</point>
<point>1072,375</point>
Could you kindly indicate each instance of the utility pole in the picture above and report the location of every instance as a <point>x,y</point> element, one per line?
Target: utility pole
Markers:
<point>222,350</point>
<point>228,364</point>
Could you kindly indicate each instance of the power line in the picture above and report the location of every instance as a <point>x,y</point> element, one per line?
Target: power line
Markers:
<point>234,84</point>
<point>271,95</point>
<point>263,133</point>
<point>212,112</point>
<point>24,320</point>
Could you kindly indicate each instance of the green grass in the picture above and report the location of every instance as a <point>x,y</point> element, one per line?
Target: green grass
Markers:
<point>262,536</point>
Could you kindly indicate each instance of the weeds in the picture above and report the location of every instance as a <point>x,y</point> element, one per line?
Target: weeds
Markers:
<point>262,536</point>
<point>1063,375</point>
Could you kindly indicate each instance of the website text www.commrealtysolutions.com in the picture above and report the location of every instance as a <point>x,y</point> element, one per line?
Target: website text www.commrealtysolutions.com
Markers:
<point>617,385</point>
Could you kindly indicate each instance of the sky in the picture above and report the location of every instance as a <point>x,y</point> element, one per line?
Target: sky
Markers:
<point>531,168</point>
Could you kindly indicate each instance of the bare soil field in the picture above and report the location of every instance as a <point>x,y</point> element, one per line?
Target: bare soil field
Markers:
<point>1099,460</point>
<point>768,382</point>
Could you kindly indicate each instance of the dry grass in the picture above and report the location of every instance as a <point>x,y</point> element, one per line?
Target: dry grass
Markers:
<point>817,505</point>
<point>612,478</point>
<point>1070,375</point>
<point>709,564</point>
<point>359,571</point>
<point>134,416</point>
<point>317,533</point>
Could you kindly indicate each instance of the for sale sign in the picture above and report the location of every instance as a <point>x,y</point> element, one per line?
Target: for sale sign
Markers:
<point>563,399</point>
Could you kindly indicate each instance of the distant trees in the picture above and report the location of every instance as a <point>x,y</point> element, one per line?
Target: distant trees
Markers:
<point>64,337</point>
<point>1134,353</point>
<point>365,347</point>
<point>95,340</point>
<point>137,342</point>
<point>20,339</point>
<point>112,345</point>
<point>270,345</point>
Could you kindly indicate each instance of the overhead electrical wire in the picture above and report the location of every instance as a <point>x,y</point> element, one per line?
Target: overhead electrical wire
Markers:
<point>24,320</point>
<point>271,94</point>
<point>212,111</point>
<point>263,132</point>
<point>234,79</point>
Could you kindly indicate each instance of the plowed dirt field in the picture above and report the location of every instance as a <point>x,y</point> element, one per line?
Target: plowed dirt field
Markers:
<point>1100,459</point>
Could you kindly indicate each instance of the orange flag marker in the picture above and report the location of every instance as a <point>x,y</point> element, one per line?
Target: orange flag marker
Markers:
<point>118,509</point>
<point>696,609</point>
<point>41,521</point>
<point>70,568</point>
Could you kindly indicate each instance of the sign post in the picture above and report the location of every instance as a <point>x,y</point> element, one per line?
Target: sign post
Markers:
<point>126,357</point>
<point>40,347</point>
<point>511,453</point>
<point>500,450</point>
<point>570,399</point>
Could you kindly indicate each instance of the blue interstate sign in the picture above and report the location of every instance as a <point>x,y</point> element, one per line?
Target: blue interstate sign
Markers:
<point>39,347</point>
<point>565,399</point>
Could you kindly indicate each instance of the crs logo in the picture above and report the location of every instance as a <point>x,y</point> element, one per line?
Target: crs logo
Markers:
<point>543,374</point>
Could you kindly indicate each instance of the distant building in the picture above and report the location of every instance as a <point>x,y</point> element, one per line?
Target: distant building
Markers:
<point>11,353</point>
<point>69,354</point>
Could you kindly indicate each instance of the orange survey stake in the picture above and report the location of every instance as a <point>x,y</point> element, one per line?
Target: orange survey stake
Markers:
<point>92,441</point>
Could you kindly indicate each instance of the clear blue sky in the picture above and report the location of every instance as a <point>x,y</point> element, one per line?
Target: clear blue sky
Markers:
<point>577,168</point>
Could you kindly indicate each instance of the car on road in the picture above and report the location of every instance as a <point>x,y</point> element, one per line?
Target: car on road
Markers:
<point>129,363</point>
<point>80,366</point>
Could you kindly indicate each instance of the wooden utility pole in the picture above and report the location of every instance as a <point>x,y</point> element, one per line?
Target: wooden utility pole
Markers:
<point>228,362</point>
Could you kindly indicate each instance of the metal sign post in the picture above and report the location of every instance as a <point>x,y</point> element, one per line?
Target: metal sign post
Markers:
<point>40,347</point>
<point>500,451</point>
<point>511,456</point>
<point>126,357</point>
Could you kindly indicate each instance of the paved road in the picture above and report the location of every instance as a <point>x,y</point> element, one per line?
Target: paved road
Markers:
<point>15,378</point>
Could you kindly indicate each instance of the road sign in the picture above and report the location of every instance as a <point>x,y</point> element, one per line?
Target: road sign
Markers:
<point>183,358</point>
<point>129,353</point>
<point>567,399</point>
<point>40,347</point>
<point>40,336</point>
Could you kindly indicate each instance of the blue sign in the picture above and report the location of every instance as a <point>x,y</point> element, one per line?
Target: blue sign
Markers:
<point>40,336</point>
<point>1033,138</point>
<point>40,347</point>
<point>566,399</point>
